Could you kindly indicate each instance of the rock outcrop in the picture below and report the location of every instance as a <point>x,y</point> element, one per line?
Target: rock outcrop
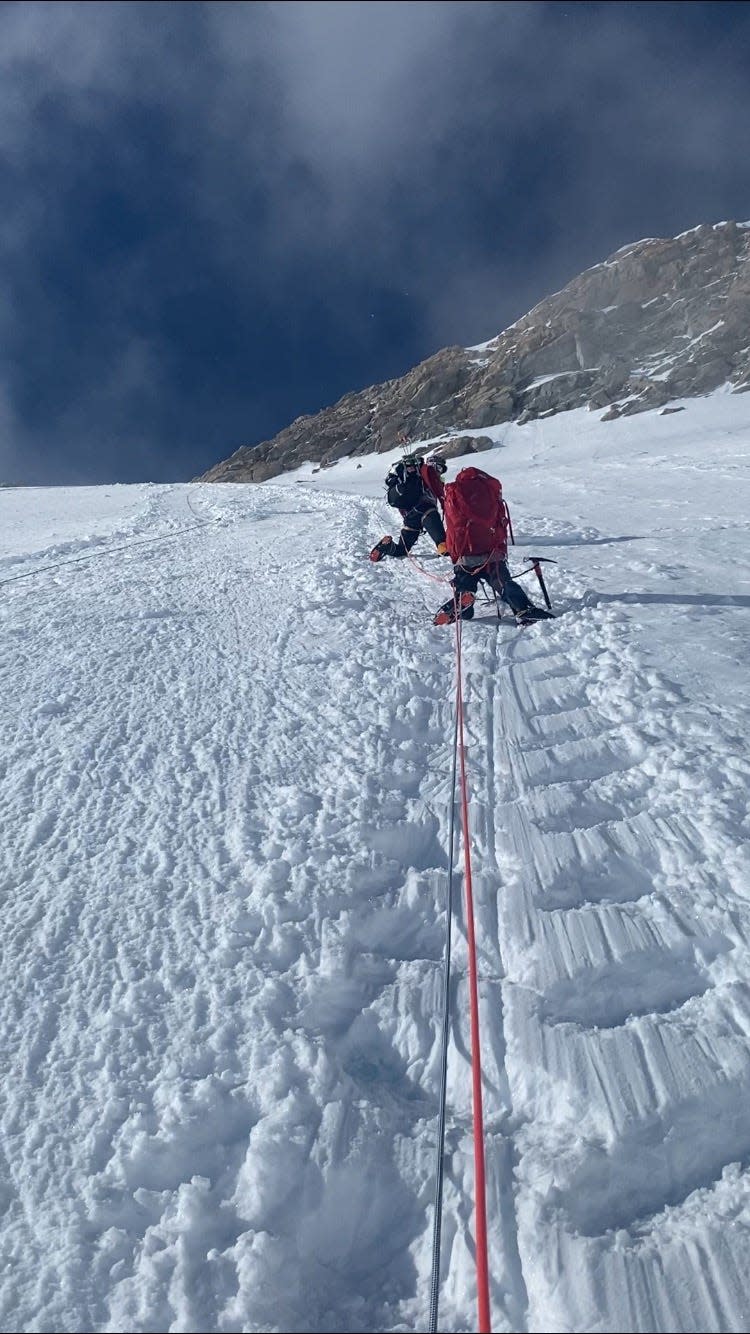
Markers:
<point>660,319</point>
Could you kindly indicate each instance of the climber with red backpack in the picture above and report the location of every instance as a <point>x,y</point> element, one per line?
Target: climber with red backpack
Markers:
<point>477,524</point>
<point>413,486</point>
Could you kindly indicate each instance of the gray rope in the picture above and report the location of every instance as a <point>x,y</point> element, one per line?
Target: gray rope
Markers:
<point>440,1146</point>
<point>108,551</point>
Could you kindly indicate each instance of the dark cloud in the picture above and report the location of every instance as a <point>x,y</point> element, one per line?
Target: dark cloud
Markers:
<point>217,216</point>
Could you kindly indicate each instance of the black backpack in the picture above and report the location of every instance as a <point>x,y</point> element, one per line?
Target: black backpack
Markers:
<point>404,485</point>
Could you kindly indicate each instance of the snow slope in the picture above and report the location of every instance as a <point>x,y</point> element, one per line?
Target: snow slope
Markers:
<point>225,753</point>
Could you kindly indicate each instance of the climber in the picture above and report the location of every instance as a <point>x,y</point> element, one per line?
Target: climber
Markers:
<point>412,487</point>
<point>477,523</point>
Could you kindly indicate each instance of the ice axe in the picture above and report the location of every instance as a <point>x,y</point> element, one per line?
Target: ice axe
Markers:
<point>536,563</point>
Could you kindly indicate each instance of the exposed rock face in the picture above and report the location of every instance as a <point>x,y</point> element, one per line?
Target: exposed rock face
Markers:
<point>658,320</point>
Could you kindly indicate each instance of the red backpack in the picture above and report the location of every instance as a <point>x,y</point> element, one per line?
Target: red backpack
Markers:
<point>476,516</point>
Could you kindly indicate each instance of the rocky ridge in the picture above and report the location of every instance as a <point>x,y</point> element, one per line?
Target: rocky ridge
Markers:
<point>660,319</point>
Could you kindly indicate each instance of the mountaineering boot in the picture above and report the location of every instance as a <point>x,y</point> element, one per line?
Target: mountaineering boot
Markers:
<point>532,614</point>
<point>447,613</point>
<point>442,549</point>
<point>381,549</point>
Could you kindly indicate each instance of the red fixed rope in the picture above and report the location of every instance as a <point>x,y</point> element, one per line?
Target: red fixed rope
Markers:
<point>480,1189</point>
<point>480,1192</point>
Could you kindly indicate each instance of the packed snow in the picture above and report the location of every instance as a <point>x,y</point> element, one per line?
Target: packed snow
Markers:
<point>226,752</point>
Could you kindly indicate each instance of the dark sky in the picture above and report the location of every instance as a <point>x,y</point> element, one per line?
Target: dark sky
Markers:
<point>216,217</point>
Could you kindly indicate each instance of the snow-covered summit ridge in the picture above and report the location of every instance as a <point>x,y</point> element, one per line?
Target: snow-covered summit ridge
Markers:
<point>661,319</point>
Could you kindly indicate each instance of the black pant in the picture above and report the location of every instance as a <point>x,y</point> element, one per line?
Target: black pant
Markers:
<point>422,517</point>
<point>497,575</point>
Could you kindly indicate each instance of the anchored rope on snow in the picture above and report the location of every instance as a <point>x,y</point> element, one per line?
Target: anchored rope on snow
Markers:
<point>109,551</point>
<point>440,1145</point>
<point>480,1191</point>
<point>480,1188</point>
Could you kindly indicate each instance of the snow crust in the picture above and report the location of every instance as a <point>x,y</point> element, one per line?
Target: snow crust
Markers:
<point>225,753</point>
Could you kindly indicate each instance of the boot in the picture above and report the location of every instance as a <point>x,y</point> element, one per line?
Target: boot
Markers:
<point>381,549</point>
<point>447,613</point>
<point>532,614</point>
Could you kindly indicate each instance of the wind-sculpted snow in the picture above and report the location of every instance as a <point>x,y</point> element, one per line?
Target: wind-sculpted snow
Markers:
<point>225,759</point>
